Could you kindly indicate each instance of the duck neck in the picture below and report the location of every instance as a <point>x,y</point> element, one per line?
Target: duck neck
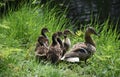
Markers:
<point>54,41</point>
<point>65,36</point>
<point>60,42</point>
<point>43,33</point>
<point>41,43</point>
<point>88,39</point>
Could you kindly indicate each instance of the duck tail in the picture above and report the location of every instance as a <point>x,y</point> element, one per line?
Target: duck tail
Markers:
<point>73,59</point>
<point>70,59</point>
<point>62,58</point>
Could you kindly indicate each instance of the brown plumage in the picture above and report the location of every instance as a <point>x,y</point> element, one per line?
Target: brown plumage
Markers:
<point>43,31</point>
<point>66,40</point>
<point>42,49</point>
<point>82,51</point>
<point>60,34</point>
<point>55,51</point>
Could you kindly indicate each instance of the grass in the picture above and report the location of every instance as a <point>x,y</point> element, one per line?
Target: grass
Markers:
<point>19,31</point>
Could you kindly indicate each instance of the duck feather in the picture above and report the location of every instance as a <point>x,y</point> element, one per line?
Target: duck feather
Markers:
<point>83,50</point>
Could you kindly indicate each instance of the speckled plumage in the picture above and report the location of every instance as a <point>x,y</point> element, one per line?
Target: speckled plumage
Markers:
<point>43,31</point>
<point>66,41</point>
<point>55,51</point>
<point>42,49</point>
<point>82,51</point>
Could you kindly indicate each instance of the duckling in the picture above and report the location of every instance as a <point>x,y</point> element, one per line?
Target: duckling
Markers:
<point>66,40</point>
<point>82,51</point>
<point>42,49</point>
<point>43,31</point>
<point>59,40</point>
<point>55,51</point>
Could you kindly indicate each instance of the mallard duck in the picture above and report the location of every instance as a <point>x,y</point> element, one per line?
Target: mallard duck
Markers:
<point>43,31</point>
<point>55,51</point>
<point>60,34</point>
<point>42,49</point>
<point>66,40</point>
<point>82,51</point>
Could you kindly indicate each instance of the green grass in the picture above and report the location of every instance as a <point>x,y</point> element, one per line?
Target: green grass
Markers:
<point>18,34</point>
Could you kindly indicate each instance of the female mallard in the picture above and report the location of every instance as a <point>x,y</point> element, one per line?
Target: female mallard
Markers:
<point>43,31</point>
<point>66,40</point>
<point>55,51</point>
<point>59,33</point>
<point>82,51</point>
<point>42,49</point>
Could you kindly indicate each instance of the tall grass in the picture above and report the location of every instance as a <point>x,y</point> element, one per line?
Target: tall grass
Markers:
<point>19,31</point>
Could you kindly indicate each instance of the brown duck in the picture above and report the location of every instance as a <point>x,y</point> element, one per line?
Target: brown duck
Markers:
<point>55,51</point>
<point>66,40</point>
<point>60,34</point>
<point>82,51</point>
<point>42,49</point>
<point>43,31</point>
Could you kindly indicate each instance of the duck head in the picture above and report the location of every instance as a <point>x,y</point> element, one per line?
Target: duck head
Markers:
<point>91,30</point>
<point>59,33</point>
<point>44,30</point>
<point>66,32</point>
<point>55,35</point>
<point>88,33</point>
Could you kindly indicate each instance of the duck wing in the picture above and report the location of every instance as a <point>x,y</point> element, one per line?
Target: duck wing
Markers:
<point>76,55</point>
<point>54,53</point>
<point>71,57</point>
<point>41,51</point>
<point>83,47</point>
<point>79,51</point>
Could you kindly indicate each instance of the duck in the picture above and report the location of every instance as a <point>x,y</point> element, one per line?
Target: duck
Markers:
<point>43,31</point>
<point>60,34</point>
<point>42,49</point>
<point>83,50</point>
<point>66,41</point>
<point>55,51</point>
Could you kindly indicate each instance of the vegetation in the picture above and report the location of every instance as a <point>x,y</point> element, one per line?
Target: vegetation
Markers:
<point>19,31</point>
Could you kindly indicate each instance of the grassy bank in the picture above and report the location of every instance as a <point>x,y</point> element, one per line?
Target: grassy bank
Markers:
<point>19,31</point>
